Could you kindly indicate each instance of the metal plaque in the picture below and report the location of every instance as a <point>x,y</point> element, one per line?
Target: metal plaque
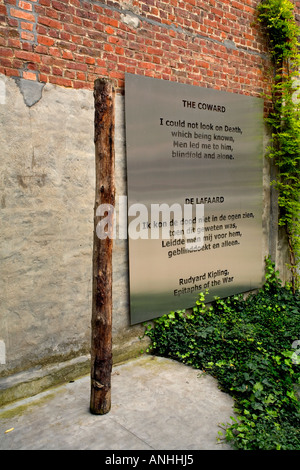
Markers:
<point>194,169</point>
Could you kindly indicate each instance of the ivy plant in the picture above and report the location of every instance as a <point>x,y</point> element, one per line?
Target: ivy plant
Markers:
<point>251,346</point>
<point>278,20</point>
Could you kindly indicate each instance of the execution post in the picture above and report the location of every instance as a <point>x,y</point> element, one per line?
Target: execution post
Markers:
<point>101,323</point>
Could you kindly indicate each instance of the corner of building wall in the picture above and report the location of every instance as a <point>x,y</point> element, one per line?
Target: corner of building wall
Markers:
<point>36,380</point>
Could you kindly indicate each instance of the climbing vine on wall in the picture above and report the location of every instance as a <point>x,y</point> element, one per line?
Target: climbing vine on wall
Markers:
<point>278,20</point>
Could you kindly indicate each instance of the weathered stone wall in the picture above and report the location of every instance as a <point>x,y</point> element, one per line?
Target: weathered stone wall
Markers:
<point>47,198</point>
<point>47,193</point>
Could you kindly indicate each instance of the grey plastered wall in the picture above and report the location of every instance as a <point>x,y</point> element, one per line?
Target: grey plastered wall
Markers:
<point>47,191</point>
<point>126,339</point>
<point>46,204</point>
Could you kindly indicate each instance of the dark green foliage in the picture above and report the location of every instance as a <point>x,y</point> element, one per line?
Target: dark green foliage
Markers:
<point>249,346</point>
<point>278,18</point>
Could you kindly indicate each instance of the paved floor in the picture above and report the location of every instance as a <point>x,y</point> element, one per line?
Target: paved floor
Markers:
<point>157,404</point>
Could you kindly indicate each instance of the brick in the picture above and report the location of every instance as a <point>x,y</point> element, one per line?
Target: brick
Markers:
<point>11,72</point>
<point>237,5</point>
<point>12,22</point>
<point>15,43</point>
<point>90,60</point>
<point>109,30</point>
<point>79,58</point>
<point>77,21</point>
<point>155,51</point>
<point>2,70</point>
<point>4,52</point>
<point>60,6</point>
<point>66,82</point>
<point>76,3</point>
<point>29,75</point>
<point>65,18</point>
<point>41,29</point>
<point>108,48</point>
<point>77,84</point>
<point>203,64</point>
<point>43,78</point>
<point>45,40</point>
<point>41,49</point>
<point>22,15</point>
<point>50,22</point>
<point>5,62</point>
<point>69,74</point>
<point>115,40</point>
<point>74,29</point>
<point>119,50</point>
<point>65,36</point>
<point>112,22</point>
<point>54,51</point>
<point>27,36</point>
<point>100,62</point>
<point>25,5</point>
<point>91,77</point>
<point>88,23</point>
<point>67,55</point>
<point>27,26</point>
<point>98,9</point>
<point>101,71</point>
<point>76,66</point>
<point>57,71</point>
<point>46,62</point>
<point>147,65</point>
<point>76,39</point>
<point>28,56</point>
<point>116,74</point>
<point>80,76</point>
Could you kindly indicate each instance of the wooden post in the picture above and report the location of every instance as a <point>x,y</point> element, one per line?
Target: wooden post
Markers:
<point>101,340</point>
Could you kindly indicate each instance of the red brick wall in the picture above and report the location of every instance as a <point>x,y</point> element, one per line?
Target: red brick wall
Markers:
<point>71,42</point>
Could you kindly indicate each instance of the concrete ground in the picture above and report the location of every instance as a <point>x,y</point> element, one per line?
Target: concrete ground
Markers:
<point>157,404</point>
